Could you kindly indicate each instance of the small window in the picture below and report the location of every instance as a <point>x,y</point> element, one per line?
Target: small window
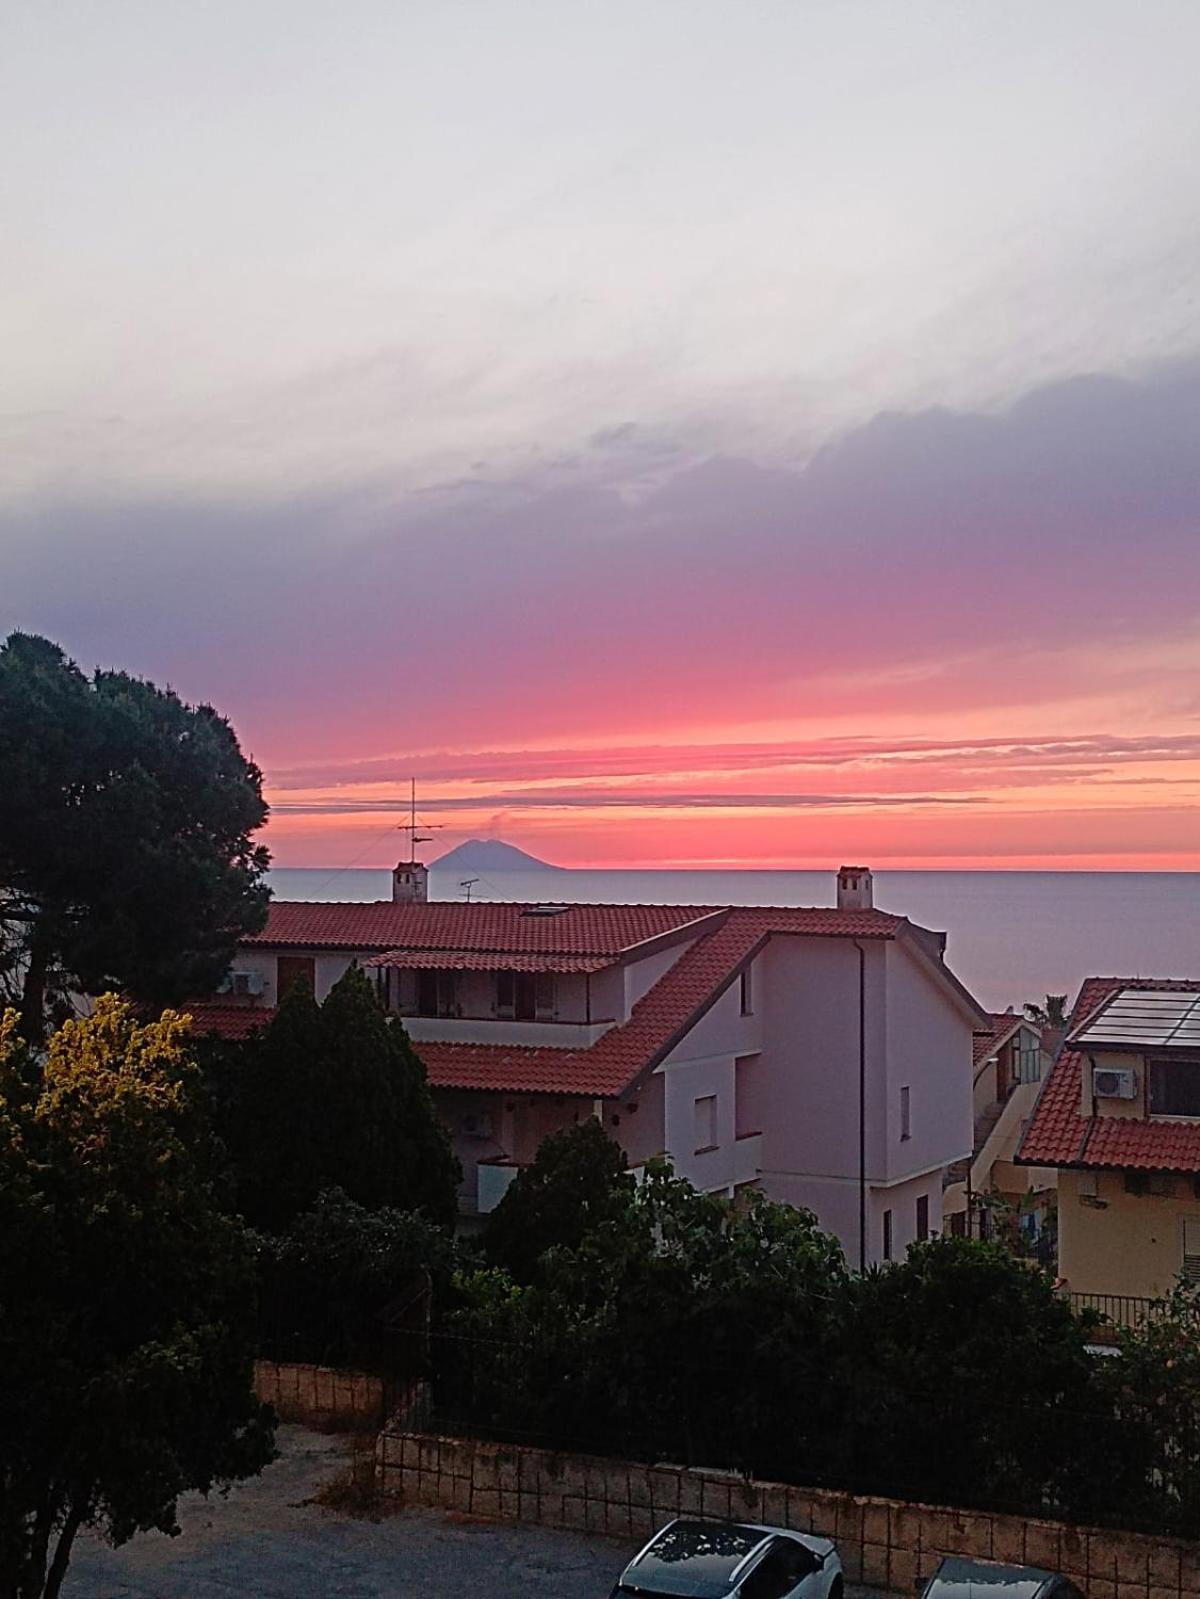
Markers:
<point>1190,1270</point>
<point>1174,1088</point>
<point>747,991</point>
<point>706,1123</point>
<point>1029,1059</point>
<point>887,1235</point>
<point>922,1218</point>
<point>905,1113</point>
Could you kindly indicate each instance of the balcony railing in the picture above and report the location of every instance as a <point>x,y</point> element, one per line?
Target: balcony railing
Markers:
<point>1119,1310</point>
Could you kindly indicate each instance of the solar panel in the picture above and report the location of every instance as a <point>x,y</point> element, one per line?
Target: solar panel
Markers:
<point>1164,1018</point>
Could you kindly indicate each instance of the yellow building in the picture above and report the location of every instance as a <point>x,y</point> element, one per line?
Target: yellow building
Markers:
<point>1119,1115</point>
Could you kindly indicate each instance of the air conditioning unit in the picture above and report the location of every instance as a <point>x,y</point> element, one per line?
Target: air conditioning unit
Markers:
<point>246,985</point>
<point>1114,1082</point>
<point>476,1124</point>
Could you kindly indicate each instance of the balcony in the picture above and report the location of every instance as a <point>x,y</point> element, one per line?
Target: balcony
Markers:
<point>494,1030</point>
<point>1120,1310</point>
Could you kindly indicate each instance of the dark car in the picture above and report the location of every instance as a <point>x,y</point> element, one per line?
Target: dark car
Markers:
<point>988,1579</point>
<point>733,1560</point>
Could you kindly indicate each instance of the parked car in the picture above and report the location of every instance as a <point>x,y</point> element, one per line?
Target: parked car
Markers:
<point>733,1560</point>
<point>956,1578</point>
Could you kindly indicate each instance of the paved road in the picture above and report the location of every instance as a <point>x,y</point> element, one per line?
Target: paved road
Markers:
<point>265,1542</point>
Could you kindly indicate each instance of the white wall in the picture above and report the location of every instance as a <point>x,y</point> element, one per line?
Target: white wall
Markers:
<point>928,1051</point>
<point>703,1064</point>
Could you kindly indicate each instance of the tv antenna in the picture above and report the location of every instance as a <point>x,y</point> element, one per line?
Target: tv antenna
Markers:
<point>467,884</point>
<point>410,827</point>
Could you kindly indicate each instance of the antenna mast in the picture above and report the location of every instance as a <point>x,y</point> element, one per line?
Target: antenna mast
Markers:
<point>410,827</point>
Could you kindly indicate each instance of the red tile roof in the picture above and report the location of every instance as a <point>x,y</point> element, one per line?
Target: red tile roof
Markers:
<point>227,1021</point>
<point>726,939</point>
<point>988,1040</point>
<point>1060,1135</point>
<point>609,1067</point>
<point>377,926</point>
<point>470,960</point>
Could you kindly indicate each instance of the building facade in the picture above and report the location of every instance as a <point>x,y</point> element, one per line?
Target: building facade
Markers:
<point>1119,1116</point>
<point>822,1055</point>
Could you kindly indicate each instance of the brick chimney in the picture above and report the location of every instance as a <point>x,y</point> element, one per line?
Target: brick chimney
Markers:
<point>410,883</point>
<point>855,889</point>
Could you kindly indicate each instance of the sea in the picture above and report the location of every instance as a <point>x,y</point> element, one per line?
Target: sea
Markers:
<point>1013,936</point>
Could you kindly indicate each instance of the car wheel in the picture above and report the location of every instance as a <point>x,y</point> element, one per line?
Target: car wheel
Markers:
<point>835,1588</point>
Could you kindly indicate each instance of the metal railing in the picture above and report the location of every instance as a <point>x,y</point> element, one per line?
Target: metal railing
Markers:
<point>1119,1310</point>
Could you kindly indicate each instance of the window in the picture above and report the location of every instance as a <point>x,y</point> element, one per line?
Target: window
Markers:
<point>437,993</point>
<point>1029,1058</point>
<point>747,1096</point>
<point>922,1218</point>
<point>525,996</point>
<point>887,1235</point>
<point>785,1565</point>
<point>706,1123</point>
<point>905,1113</point>
<point>296,969</point>
<point>747,991</point>
<point>1175,1088</point>
<point>1190,1270</point>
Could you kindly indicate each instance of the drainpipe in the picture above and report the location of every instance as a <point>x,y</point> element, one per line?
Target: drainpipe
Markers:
<point>862,1106</point>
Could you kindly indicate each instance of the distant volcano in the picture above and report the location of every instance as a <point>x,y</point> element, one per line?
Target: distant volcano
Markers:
<point>489,855</point>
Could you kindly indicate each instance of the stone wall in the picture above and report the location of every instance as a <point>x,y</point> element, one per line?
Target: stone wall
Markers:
<point>883,1542</point>
<point>320,1396</point>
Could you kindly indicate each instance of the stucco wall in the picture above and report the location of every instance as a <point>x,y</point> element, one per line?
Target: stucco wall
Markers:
<point>703,1064</point>
<point>929,1052</point>
<point>1126,1243</point>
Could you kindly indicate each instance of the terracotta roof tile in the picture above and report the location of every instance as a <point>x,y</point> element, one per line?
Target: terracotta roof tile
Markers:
<point>227,1021</point>
<point>989,1040</point>
<point>377,926</point>
<point>1060,1135</point>
<point>658,1020</point>
<point>727,939</point>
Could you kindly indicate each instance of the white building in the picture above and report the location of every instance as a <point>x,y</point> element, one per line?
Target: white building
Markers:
<point>822,1055</point>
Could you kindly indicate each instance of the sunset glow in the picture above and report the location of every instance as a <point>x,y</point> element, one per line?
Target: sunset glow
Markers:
<point>786,449</point>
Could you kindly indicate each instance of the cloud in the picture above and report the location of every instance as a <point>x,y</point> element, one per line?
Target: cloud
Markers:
<point>929,568</point>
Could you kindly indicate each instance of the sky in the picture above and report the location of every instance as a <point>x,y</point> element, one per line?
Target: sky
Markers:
<point>676,433</point>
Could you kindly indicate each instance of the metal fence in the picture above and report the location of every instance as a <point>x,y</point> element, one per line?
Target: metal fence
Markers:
<point>1119,1310</point>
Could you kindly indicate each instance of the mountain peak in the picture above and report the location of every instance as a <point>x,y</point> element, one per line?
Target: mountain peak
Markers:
<point>489,855</point>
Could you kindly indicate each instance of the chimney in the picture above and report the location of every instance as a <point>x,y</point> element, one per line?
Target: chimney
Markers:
<point>410,883</point>
<point>855,889</point>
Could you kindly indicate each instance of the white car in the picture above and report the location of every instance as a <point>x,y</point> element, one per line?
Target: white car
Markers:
<point>733,1560</point>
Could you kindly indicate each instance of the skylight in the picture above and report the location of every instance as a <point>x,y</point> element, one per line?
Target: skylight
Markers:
<point>545,910</point>
<point>1165,1018</point>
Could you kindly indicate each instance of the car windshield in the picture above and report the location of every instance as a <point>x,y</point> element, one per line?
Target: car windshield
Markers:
<point>692,1560</point>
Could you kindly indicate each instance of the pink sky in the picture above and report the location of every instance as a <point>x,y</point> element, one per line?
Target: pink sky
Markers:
<point>694,432</point>
<point>950,640</point>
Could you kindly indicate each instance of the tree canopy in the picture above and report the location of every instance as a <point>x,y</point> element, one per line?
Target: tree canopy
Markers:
<point>126,1297</point>
<point>333,1096</point>
<point>578,1184</point>
<point>126,852</point>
